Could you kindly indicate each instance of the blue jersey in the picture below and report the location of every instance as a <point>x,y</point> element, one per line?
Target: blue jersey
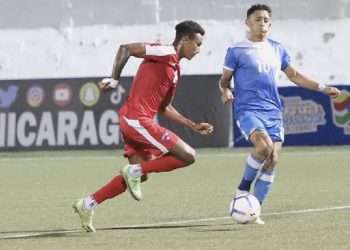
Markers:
<point>256,67</point>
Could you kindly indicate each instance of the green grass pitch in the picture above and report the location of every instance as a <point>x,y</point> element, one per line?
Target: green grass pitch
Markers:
<point>308,208</point>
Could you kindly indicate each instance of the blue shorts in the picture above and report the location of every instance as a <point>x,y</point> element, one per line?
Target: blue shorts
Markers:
<point>249,121</point>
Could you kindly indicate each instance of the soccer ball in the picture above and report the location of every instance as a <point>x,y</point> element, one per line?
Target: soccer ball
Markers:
<point>245,208</point>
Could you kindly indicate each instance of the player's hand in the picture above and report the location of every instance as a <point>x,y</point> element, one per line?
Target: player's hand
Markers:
<point>332,92</point>
<point>227,96</point>
<point>203,128</point>
<point>107,84</point>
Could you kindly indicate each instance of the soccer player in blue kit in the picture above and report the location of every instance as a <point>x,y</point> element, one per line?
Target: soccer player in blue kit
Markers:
<point>254,65</point>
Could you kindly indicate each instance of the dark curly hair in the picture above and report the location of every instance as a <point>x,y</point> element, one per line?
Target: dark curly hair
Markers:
<point>188,28</point>
<point>256,7</point>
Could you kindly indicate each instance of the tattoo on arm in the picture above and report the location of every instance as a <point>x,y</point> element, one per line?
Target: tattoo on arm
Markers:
<point>120,60</point>
<point>125,51</point>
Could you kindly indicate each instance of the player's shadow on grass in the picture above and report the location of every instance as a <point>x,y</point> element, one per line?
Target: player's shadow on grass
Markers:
<point>42,235</point>
<point>34,231</point>
<point>153,227</point>
<point>213,230</point>
<point>222,227</point>
<point>56,233</point>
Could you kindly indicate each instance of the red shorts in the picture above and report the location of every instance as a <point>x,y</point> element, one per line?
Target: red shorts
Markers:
<point>145,138</point>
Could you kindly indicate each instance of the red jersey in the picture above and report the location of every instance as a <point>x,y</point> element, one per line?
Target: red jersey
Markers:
<point>155,82</point>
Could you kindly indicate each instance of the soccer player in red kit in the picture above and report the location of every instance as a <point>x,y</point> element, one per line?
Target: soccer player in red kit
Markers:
<point>148,146</point>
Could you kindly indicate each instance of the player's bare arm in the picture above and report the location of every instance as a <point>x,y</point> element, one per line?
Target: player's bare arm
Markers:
<point>302,81</point>
<point>224,86</point>
<point>201,128</point>
<point>124,52</point>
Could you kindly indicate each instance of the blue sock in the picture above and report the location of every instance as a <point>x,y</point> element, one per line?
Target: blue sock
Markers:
<point>263,185</point>
<point>252,167</point>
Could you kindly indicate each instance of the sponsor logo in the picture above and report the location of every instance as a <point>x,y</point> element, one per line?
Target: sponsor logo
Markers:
<point>302,116</point>
<point>341,111</point>
<point>89,94</point>
<point>8,96</point>
<point>35,96</point>
<point>117,96</point>
<point>62,94</point>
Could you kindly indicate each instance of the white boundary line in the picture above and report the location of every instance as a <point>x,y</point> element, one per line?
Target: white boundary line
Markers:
<point>302,211</point>
<point>169,223</point>
<point>219,155</point>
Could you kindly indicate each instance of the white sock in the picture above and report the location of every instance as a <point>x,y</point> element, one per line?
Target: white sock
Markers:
<point>90,203</point>
<point>135,170</point>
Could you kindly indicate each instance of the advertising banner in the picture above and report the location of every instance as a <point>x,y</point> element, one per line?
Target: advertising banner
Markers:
<point>46,114</point>
<point>311,118</point>
<point>58,114</point>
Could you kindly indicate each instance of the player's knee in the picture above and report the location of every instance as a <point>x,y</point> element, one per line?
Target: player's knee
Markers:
<point>265,150</point>
<point>184,153</point>
<point>190,157</point>
<point>190,160</point>
<point>263,144</point>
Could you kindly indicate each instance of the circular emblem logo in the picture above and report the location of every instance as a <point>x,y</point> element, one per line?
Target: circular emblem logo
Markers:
<point>62,94</point>
<point>35,96</point>
<point>89,94</point>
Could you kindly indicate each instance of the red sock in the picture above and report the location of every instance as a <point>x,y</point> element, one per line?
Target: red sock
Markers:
<point>164,164</point>
<point>115,187</point>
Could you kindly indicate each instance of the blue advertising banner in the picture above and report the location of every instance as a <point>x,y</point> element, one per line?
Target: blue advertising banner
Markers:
<point>311,118</point>
<point>63,114</point>
<point>38,114</point>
